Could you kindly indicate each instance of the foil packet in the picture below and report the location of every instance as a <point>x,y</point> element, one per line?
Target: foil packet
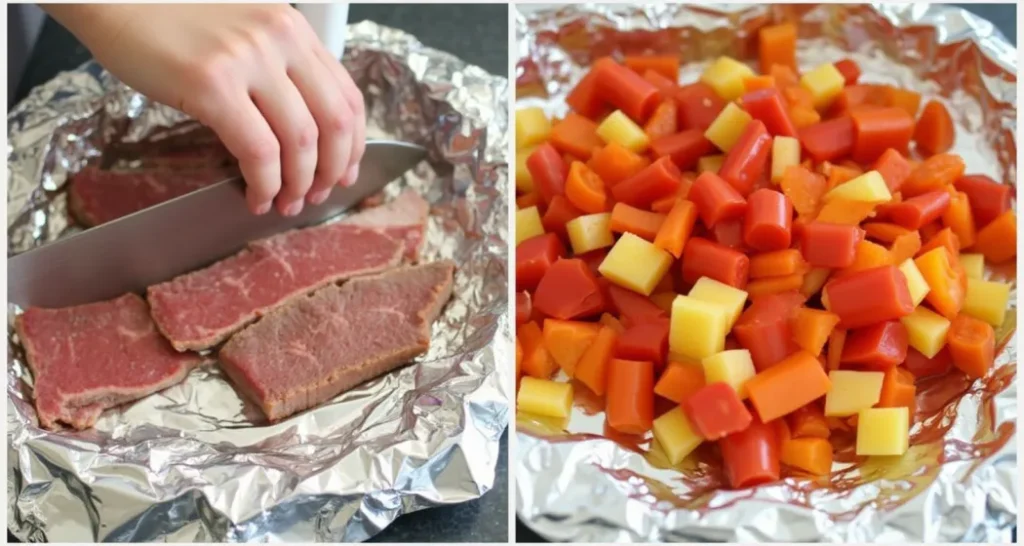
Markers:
<point>578,481</point>
<point>187,464</point>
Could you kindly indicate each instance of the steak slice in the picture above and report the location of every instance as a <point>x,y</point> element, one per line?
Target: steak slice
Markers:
<point>88,358</point>
<point>200,309</point>
<point>96,196</point>
<point>320,346</point>
<point>404,218</point>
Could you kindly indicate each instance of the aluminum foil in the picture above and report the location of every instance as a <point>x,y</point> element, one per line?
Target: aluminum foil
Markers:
<point>577,481</point>
<point>188,464</point>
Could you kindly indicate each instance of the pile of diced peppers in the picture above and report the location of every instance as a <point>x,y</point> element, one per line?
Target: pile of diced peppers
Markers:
<point>779,256</point>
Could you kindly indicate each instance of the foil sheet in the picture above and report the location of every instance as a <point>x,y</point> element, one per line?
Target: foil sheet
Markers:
<point>577,481</point>
<point>188,464</point>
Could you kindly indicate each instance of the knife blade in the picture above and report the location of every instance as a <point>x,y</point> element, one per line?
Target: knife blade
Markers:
<point>178,236</point>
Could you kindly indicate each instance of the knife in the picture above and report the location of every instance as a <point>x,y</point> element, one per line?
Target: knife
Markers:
<point>181,235</point>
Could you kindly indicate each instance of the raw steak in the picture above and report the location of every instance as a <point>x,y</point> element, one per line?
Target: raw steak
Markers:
<point>404,218</point>
<point>200,309</point>
<point>88,358</point>
<point>96,196</point>
<point>318,347</point>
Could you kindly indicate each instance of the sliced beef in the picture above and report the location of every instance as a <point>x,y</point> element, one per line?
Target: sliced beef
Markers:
<point>88,358</point>
<point>96,196</point>
<point>318,347</point>
<point>200,309</point>
<point>404,218</point>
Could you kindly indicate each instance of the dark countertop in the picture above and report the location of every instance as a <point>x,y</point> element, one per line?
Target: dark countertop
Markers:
<point>1004,17</point>
<point>475,33</point>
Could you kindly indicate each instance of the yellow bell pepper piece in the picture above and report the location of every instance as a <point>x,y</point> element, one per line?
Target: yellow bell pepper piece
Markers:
<point>869,187</point>
<point>725,75</point>
<point>987,301</point>
<point>727,127</point>
<point>697,328</point>
<point>528,224</point>
<point>734,368</point>
<point>524,180</point>
<point>710,163</point>
<point>590,232</point>
<point>618,128</point>
<point>883,431</point>
<point>544,397</point>
<point>825,84</point>
<point>636,264</point>
<point>974,265</point>
<point>852,392</point>
<point>785,153</point>
<point>926,330</point>
<point>814,280</point>
<point>676,435</point>
<point>712,291</point>
<point>532,127</point>
<point>915,281</point>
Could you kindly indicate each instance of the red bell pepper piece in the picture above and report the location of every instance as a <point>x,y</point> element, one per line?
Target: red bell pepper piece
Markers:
<point>524,307</point>
<point>922,366</point>
<point>703,258</point>
<point>917,211</point>
<point>764,328</point>
<point>569,290</point>
<point>894,169</point>
<point>828,140</point>
<point>768,106</point>
<point>746,160</point>
<point>716,411</point>
<point>849,69</point>
<point>988,198</point>
<point>878,129</point>
<point>548,170</point>
<point>768,224</point>
<point>666,87</point>
<point>632,307</point>
<point>665,65</point>
<point>626,90</point>
<point>830,245</point>
<point>593,259</point>
<point>877,347</point>
<point>699,105</point>
<point>716,200</point>
<point>646,341</point>
<point>729,233</point>
<point>865,297</point>
<point>657,180</point>
<point>751,456</point>
<point>559,212</point>
<point>584,99</point>
<point>684,148</point>
<point>534,257</point>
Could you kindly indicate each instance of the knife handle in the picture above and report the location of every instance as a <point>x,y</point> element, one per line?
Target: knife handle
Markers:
<point>329,21</point>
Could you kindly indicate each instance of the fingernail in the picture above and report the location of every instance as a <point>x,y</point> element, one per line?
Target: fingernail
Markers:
<point>318,197</point>
<point>293,208</point>
<point>263,209</point>
<point>351,175</point>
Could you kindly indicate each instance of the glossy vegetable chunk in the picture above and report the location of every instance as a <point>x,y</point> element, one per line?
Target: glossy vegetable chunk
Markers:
<point>727,127</point>
<point>916,283</point>
<point>618,128</point>
<point>635,264</point>
<point>746,160</point>
<point>869,296</point>
<point>679,381</point>
<point>533,258</point>
<point>733,367</point>
<point>987,301</point>
<point>768,222</point>
<point>703,258</point>
<point>751,456</point>
<point>545,397</point>
<point>926,331</point>
<point>569,290</point>
<point>829,245</point>
<point>712,291</point>
<point>716,200</point>
<point>852,392</point>
<point>971,345</point>
<point>566,341</point>
<point>881,346</point>
<point>698,328</point>
<point>825,83</point>
<point>528,224</point>
<point>676,435</point>
<point>869,187</point>
<point>725,76</point>
<point>764,328</point>
<point>883,431</point>
<point>946,288</point>
<point>716,411</point>
<point>590,232</point>
<point>630,402</point>
<point>532,127</point>
<point>788,385</point>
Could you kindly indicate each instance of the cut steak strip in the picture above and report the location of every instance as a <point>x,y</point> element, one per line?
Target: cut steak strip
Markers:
<point>88,358</point>
<point>96,196</point>
<point>404,218</point>
<point>320,346</point>
<point>200,309</point>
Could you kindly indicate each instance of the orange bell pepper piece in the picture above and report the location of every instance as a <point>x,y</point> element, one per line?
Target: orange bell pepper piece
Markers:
<point>777,263</point>
<point>585,190</point>
<point>972,345</point>
<point>537,361</point>
<point>679,381</point>
<point>898,390</point>
<point>940,270</point>
<point>575,135</point>
<point>676,229</point>
<point>998,240</point>
<point>808,422</point>
<point>937,172</point>
<point>959,218</point>
<point>811,455</point>
<point>567,340</point>
<point>811,328</point>
<point>592,368</point>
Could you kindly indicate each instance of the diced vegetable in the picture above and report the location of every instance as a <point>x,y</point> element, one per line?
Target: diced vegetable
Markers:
<point>788,385</point>
<point>825,83</point>
<point>532,127</point>
<point>812,455</point>
<point>575,135</point>
<point>524,180</point>
<point>988,198</point>
<point>828,140</point>
<point>804,188</point>
<point>768,222</point>
<point>632,307</point>
<point>935,173</point>
<point>698,328</point>
<point>727,128</point>
<point>618,128</point>
<point>568,291</point>
<point>922,366</point>
<point>934,131</point>
<point>657,180</point>
<point>883,431</point>
<point>590,232</point>
<point>584,98</point>
<point>998,240</point>
<point>585,190</point>
<point>898,390</point>
<point>528,224</point>
<point>879,129</point>
<point>614,163</point>
<point>716,411</point>
<point>537,361</point>
<point>699,106</point>
<point>664,121</point>
<point>559,213</point>
<point>734,368</point>
<point>712,291</point>
<point>715,199</point>
<point>829,245</point>
<point>746,159</point>
<point>916,283</point>
<point>946,289</point>
<point>987,301</point>
<point>926,331</point>
<point>768,106</point>
<point>645,341</point>
<point>725,76</point>
<point>675,231</point>
<point>881,346</point>
<point>870,296</point>
<point>960,220</point>
<point>811,328</point>
<point>785,154</point>
<point>869,187</point>
<point>625,90</point>
<point>665,65</point>
<point>710,162</point>
<point>635,264</point>
<point>685,148</point>
<point>545,397</point>
<point>592,367</point>
<point>676,435</point>
<point>533,258</point>
<point>548,170</point>
<point>639,222</point>
<point>808,422</point>
<point>894,169</point>
<point>764,328</point>
<point>972,345</point>
<point>918,211</point>
<point>703,258</point>
<point>974,265</point>
<point>630,403</point>
<point>679,381</point>
<point>566,341</point>
<point>751,456</point>
<point>776,264</point>
<point>777,46</point>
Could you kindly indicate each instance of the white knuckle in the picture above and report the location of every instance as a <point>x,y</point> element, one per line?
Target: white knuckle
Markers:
<point>307,136</point>
<point>261,151</point>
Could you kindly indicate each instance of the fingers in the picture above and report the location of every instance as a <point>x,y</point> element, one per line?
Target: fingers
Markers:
<point>289,117</point>
<point>246,134</point>
<point>354,99</point>
<point>334,121</point>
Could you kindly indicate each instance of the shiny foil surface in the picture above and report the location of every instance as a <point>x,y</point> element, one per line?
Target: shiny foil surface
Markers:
<point>188,464</point>
<point>578,481</point>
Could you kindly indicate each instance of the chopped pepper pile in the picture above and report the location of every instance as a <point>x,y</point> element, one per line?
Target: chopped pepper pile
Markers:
<point>779,255</point>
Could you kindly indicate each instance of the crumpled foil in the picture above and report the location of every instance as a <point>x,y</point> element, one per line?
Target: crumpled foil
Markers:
<point>579,482</point>
<point>186,464</point>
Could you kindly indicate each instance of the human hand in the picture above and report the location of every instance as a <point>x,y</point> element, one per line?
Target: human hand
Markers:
<point>256,74</point>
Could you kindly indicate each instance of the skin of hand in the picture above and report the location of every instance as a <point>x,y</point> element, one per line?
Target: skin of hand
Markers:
<point>256,74</point>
